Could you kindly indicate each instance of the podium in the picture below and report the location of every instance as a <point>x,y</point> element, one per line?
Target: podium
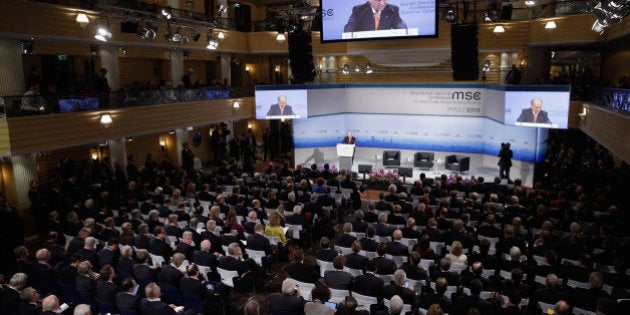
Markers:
<point>345,152</point>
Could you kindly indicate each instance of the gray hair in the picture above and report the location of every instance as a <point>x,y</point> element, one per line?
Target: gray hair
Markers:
<point>205,245</point>
<point>187,234</point>
<point>395,305</point>
<point>382,217</point>
<point>18,279</point>
<point>28,294</point>
<point>211,225</point>
<point>82,309</point>
<point>233,248</point>
<point>178,259</point>
<point>288,286</point>
<point>552,280</point>
<point>90,241</point>
<point>400,277</point>
<point>154,213</point>
<point>358,214</point>
<point>515,253</point>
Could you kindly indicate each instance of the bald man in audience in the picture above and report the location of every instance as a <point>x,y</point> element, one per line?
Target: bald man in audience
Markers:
<point>395,247</point>
<point>50,305</point>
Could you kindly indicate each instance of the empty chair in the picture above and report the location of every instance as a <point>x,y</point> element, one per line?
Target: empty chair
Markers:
<point>457,163</point>
<point>391,158</point>
<point>423,160</point>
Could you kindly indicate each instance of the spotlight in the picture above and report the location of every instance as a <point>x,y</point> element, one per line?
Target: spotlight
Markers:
<point>550,26</point>
<point>357,68</point>
<point>498,30</point>
<point>345,69</point>
<point>368,68</point>
<point>212,43</point>
<point>221,8</point>
<point>103,33</point>
<point>490,16</point>
<point>106,120</point>
<point>220,36</point>
<point>148,32</point>
<point>530,3</point>
<point>27,47</point>
<point>236,106</point>
<point>486,66</point>
<point>166,13</point>
<point>177,37</point>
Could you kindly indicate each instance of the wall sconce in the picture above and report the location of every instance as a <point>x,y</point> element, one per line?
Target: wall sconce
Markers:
<point>368,68</point>
<point>162,142</point>
<point>277,69</point>
<point>83,20</point>
<point>357,68</point>
<point>280,38</point>
<point>94,154</point>
<point>247,69</point>
<point>236,106</point>
<point>345,69</point>
<point>249,126</point>
<point>498,30</point>
<point>583,113</point>
<point>106,120</point>
<point>550,26</point>
<point>220,36</point>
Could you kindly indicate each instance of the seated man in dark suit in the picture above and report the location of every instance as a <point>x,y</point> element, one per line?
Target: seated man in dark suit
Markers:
<point>412,269</point>
<point>186,247</point>
<point>434,233</point>
<point>587,298</point>
<point>234,261</point>
<point>355,260</point>
<point>258,241</point>
<point>29,305</point>
<point>205,256</point>
<point>442,271</point>
<point>50,305</point>
<point>438,297</point>
<point>399,287</point>
<point>382,228</point>
<point>300,271</point>
<point>358,225</point>
<point>476,272</point>
<point>171,274</point>
<point>289,301</point>
<point>381,204</point>
<point>369,284</point>
<point>109,255</point>
<point>368,243</point>
<point>106,290</point>
<point>395,247</point>
<point>553,291</point>
<point>345,239</point>
<point>126,299</point>
<point>338,279</point>
<point>195,285</point>
<point>10,294</point>
<point>325,253</point>
<point>408,231</point>
<point>395,217</point>
<point>153,305</point>
<point>384,266</point>
<point>159,246</point>
<point>534,114</point>
<point>462,303</point>
<point>252,219</point>
<point>85,281</point>
<point>142,271</point>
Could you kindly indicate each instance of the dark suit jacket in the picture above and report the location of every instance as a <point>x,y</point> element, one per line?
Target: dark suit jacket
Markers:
<point>125,264</point>
<point>356,261</point>
<point>347,140</point>
<point>288,304</point>
<point>194,287</point>
<point>30,309</point>
<point>106,291</point>
<point>259,242</point>
<point>528,116</point>
<point>10,300</point>
<point>143,272</point>
<point>384,266</point>
<point>368,284</point>
<point>85,284</point>
<point>205,259</point>
<point>160,247</point>
<point>368,245</point>
<point>338,279</point>
<point>106,256</point>
<point>362,19</point>
<point>397,249</point>
<point>326,254</point>
<point>231,263</point>
<point>155,308</point>
<point>185,249</point>
<point>274,110</point>
<point>414,272</point>
<point>170,275</point>
<point>302,272</point>
<point>127,301</point>
<point>345,240</point>
<point>75,244</point>
<point>408,296</point>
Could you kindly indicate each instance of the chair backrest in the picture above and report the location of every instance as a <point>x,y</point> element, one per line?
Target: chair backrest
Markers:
<point>353,272</point>
<point>409,242</point>
<point>70,293</point>
<point>426,263</point>
<point>364,301</point>
<point>256,255</point>
<point>577,284</point>
<point>305,289</point>
<point>437,247</point>
<point>579,311</point>
<point>106,307</point>
<point>157,260</point>
<point>227,276</point>
<point>343,250</point>
<point>545,307</point>
<point>295,230</point>
<point>399,260</point>
<point>338,296</point>
<point>369,255</point>
<point>274,240</point>
<point>387,279</point>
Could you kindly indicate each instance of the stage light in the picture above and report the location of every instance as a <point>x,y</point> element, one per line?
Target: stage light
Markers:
<point>103,33</point>
<point>280,38</point>
<point>83,20</point>
<point>148,32</point>
<point>357,68</point>
<point>550,26</point>
<point>486,66</point>
<point>106,120</point>
<point>222,8</point>
<point>220,36</point>
<point>166,13</point>
<point>498,30</point>
<point>450,16</point>
<point>346,68</point>
<point>212,43</point>
<point>368,68</point>
<point>530,3</point>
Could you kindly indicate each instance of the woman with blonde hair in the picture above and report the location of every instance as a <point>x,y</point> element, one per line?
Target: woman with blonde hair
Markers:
<point>274,228</point>
<point>457,255</point>
<point>215,214</point>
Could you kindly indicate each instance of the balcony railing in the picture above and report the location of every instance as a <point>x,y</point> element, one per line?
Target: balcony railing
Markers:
<point>614,98</point>
<point>25,105</point>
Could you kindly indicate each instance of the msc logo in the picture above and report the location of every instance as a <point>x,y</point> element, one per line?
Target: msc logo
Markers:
<point>329,12</point>
<point>466,96</point>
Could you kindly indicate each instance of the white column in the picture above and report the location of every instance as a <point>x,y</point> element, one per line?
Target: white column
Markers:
<point>508,59</point>
<point>118,153</point>
<point>11,67</point>
<point>328,69</point>
<point>226,70</point>
<point>109,61</point>
<point>24,170</point>
<point>177,66</point>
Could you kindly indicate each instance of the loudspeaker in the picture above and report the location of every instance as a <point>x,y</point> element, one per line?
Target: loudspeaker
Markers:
<point>464,52</point>
<point>301,56</point>
<point>129,27</point>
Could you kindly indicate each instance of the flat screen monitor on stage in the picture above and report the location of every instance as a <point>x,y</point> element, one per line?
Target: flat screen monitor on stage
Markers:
<point>365,168</point>
<point>279,102</point>
<point>405,171</point>
<point>356,19</point>
<point>542,109</point>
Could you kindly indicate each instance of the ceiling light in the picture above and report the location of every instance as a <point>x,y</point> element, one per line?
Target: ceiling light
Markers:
<point>357,68</point>
<point>345,69</point>
<point>236,106</point>
<point>550,26</point>
<point>177,37</point>
<point>530,3</point>
<point>83,20</point>
<point>368,68</point>
<point>220,36</point>
<point>280,38</point>
<point>499,29</point>
<point>598,27</point>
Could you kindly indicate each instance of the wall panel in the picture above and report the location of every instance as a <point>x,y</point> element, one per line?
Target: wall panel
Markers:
<point>609,128</point>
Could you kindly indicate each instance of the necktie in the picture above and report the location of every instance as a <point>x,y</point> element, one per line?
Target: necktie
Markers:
<point>377,19</point>
<point>535,117</point>
<point>281,111</point>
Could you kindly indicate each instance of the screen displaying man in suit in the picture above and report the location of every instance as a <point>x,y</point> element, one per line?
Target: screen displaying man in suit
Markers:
<point>374,15</point>
<point>535,114</point>
<point>281,108</point>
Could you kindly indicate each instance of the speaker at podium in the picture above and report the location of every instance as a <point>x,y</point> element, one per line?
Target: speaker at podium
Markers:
<point>345,153</point>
